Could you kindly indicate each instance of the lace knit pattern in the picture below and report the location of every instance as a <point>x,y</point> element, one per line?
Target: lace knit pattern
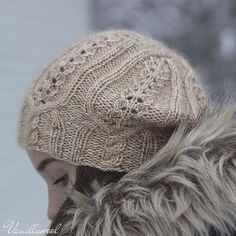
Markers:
<point>108,100</point>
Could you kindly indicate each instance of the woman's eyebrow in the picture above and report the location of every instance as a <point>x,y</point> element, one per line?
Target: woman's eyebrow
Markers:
<point>43,163</point>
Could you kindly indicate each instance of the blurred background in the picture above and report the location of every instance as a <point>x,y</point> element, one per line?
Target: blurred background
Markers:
<point>32,32</point>
<point>204,31</point>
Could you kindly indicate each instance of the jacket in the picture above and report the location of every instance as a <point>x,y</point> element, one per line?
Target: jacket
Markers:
<point>187,189</point>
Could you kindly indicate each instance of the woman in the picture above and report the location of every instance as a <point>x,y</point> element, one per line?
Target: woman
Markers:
<point>123,133</point>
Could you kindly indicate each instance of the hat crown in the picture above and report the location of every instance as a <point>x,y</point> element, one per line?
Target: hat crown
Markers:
<point>107,100</point>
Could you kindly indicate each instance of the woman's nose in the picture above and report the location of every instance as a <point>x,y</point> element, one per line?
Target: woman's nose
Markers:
<point>51,210</point>
<point>51,216</point>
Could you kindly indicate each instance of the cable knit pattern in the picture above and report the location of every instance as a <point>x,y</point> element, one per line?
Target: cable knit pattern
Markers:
<point>107,101</point>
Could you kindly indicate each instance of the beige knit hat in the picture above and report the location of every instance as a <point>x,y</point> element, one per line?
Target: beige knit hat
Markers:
<point>109,101</point>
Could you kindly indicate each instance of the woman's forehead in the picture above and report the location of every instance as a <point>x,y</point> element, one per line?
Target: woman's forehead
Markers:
<point>37,156</point>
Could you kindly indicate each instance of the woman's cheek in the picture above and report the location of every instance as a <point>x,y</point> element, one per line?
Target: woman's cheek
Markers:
<point>56,198</point>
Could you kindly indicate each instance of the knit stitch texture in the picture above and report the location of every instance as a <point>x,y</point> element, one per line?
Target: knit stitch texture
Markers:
<point>109,101</point>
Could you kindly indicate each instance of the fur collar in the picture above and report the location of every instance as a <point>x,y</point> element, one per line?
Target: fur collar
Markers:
<point>187,189</point>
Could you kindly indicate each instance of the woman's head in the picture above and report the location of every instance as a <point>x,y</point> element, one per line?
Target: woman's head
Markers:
<point>104,106</point>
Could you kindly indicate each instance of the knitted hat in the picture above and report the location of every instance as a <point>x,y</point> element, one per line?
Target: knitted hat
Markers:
<point>109,101</point>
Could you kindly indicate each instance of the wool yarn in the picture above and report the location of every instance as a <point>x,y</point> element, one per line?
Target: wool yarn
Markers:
<point>110,100</point>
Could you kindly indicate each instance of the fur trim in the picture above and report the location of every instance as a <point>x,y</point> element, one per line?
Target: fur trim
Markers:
<point>186,189</point>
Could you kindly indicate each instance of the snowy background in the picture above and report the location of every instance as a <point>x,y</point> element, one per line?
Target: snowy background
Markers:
<point>32,32</point>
